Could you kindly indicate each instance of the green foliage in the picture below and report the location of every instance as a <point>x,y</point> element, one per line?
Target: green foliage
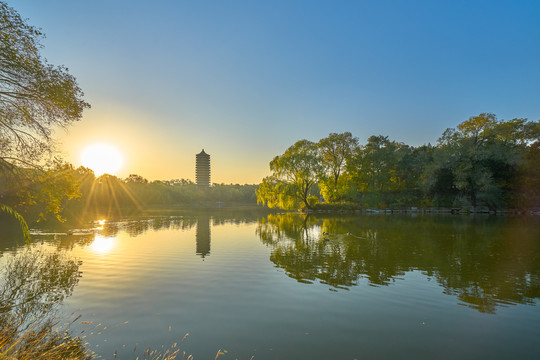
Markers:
<point>526,193</point>
<point>64,192</point>
<point>111,195</point>
<point>483,162</point>
<point>377,171</point>
<point>35,96</point>
<point>336,151</point>
<point>294,174</point>
<point>18,217</point>
<point>276,193</point>
<point>483,157</point>
<point>344,190</point>
<point>40,194</point>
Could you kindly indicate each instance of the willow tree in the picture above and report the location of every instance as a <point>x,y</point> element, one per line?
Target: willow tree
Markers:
<point>276,193</point>
<point>336,150</point>
<point>293,175</point>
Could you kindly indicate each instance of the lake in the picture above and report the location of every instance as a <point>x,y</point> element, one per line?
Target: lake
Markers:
<point>289,286</point>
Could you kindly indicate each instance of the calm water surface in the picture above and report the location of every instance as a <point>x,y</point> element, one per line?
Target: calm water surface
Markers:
<point>295,287</point>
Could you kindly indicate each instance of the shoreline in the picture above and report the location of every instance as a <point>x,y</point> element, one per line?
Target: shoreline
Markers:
<point>480,210</point>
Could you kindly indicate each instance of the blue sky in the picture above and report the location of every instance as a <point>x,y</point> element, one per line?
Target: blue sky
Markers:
<point>246,79</point>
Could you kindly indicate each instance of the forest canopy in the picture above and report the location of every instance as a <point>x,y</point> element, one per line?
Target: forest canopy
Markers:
<point>64,192</point>
<point>482,162</point>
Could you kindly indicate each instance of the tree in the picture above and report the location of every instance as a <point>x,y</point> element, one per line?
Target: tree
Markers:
<point>412,170</point>
<point>294,172</point>
<point>335,151</point>
<point>375,168</point>
<point>35,96</point>
<point>42,193</point>
<point>527,184</point>
<point>135,179</point>
<point>484,156</point>
<point>276,193</point>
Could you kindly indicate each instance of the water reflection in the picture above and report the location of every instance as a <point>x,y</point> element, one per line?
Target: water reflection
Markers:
<point>100,234</point>
<point>33,282</point>
<point>202,237</point>
<point>484,262</point>
<point>102,245</point>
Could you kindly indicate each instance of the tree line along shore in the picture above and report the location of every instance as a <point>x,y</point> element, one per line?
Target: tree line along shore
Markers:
<point>482,165</point>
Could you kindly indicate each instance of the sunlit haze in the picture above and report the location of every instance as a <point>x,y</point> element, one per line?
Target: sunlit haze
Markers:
<point>244,80</point>
<point>102,159</point>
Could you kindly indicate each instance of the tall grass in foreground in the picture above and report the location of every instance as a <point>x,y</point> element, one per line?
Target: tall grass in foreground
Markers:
<point>42,340</point>
<point>47,340</point>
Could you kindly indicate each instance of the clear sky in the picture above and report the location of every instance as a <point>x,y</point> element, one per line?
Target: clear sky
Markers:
<point>246,79</point>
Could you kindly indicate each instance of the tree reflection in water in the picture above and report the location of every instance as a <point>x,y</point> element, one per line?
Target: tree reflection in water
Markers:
<point>485,262</point>
<point>32,285</point>
<point>103,229</point>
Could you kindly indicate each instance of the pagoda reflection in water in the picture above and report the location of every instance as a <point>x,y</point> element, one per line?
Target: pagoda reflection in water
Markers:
<point>202,236</point>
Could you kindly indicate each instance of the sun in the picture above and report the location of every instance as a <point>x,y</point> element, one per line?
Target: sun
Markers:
<point>102,159</point>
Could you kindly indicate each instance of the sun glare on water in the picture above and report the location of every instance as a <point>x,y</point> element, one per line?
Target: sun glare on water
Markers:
<point>102,159</point>
<point>102,245</point>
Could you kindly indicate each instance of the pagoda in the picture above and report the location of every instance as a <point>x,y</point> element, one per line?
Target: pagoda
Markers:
<point>202,169</point>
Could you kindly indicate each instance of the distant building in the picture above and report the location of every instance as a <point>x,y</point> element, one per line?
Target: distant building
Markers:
<point>202,169</point>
